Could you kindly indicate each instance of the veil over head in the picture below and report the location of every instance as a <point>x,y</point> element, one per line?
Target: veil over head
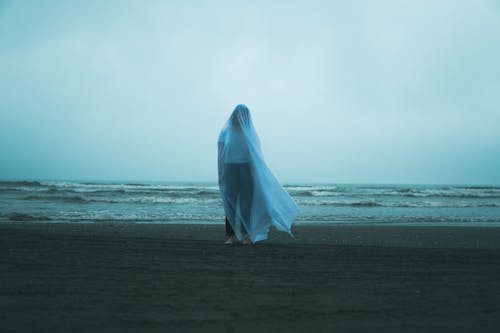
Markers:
<point>252,197</point>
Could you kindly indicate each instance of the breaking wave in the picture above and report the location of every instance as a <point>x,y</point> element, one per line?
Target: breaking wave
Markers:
<point>166,202</point>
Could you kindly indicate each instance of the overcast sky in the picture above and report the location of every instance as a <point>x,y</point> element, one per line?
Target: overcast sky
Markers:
<point>340,91</point>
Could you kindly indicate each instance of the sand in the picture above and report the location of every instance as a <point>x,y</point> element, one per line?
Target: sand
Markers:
<point>181,278</point>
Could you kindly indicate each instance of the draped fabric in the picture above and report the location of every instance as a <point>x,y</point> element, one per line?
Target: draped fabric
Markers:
<point>252,197</point>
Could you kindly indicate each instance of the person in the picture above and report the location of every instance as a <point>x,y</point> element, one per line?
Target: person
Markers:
<point>252,197</point>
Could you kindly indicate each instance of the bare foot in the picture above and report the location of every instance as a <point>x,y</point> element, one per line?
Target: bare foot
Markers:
<point>230,240</point>
<point>245,241</point>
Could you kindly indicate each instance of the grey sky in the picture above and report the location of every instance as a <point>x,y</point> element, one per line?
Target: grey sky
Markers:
<point>340,91</point>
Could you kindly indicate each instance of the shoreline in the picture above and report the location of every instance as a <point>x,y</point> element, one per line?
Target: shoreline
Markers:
<point>428,236</point>
<point>312,223</point>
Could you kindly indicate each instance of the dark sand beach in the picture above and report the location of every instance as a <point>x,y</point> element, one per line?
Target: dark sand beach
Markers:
<point>181,278</point>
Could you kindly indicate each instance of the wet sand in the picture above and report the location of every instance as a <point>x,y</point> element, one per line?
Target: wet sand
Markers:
<point>181,278</point>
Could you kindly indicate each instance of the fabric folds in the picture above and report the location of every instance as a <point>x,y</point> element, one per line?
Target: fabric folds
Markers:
<point>252,197</point>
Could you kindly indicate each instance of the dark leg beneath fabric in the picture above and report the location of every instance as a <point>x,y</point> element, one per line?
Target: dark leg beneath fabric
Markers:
<point>229,229</point>
<point>239,191</point>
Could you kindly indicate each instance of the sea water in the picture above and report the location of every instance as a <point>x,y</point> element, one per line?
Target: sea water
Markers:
<point>166,202</point>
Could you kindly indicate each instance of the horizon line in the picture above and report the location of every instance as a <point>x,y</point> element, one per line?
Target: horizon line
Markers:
<point>132,181</point>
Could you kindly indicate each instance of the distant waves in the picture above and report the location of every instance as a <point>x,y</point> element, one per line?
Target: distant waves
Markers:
<point>195,203</point>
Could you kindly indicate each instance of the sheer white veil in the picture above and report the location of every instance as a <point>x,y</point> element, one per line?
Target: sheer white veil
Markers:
<point>252,197</point>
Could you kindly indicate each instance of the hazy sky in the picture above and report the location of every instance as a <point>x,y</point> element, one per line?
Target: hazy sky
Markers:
<point>340,91</point>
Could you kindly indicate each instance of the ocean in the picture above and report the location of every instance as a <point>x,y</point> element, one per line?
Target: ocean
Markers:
<point>168,202</point>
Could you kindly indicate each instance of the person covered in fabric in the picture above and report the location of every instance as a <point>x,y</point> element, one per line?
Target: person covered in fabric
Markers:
<point>252,197</point>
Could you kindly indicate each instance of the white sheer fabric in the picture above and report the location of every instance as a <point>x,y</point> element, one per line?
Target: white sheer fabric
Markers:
<point>253,198</point>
